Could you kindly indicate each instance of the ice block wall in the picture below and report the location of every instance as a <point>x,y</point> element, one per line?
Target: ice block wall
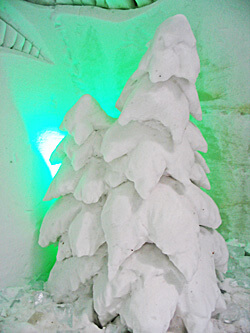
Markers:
<point>72,50</point>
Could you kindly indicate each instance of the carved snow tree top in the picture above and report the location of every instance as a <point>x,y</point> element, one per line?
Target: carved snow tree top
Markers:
<point>136,233</point>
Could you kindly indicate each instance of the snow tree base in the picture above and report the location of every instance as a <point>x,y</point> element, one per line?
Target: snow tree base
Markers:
<point>31,309</point>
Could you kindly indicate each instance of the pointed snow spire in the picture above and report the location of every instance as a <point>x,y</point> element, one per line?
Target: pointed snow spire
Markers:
<point>172,52</point>
<point>163,87</point>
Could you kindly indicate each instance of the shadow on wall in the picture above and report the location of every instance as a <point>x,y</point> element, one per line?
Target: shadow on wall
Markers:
<point>24,179</point>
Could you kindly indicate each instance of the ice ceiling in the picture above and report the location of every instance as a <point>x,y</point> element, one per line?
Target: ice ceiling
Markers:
<point>109,4</point>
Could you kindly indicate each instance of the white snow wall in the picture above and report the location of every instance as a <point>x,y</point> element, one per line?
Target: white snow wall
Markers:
<point>95,51</point>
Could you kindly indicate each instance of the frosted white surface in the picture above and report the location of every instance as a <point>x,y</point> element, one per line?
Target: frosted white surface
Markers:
<point>85,117</point>
<point>199,177</point>
<point>64,249</point>
<point>58,219</point>
<point>172,52</point>
<point>162,101</point>
<point>195,138</point>
<point>91,186</point>
<point>66,276</point>
<point>150,153</point>
<point>176,234</point>
<point>121,224</point>
<point>199,159</point>
<point>142,240</point>
<point>64,182</point>
<point>150,293</point>
<point>194,309</point>
<point>85,232</point>
<point>207,210</point>
<point>189,89</point>
<point>79,155</point>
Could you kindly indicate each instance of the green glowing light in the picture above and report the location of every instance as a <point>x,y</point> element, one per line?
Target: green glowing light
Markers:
<point>46,143</point>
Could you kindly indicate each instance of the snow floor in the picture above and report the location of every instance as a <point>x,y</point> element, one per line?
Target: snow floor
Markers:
<point>31,309</point>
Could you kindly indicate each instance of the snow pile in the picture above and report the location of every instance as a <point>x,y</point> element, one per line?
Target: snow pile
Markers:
<point>136,233</point>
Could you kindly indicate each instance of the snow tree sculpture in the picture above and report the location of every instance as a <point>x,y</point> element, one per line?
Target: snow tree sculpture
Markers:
<point>137,239</point>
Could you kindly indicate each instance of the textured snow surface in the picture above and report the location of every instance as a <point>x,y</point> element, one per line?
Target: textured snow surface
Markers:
<point>31,309</point>
<point>140,237</point>
<point>83,118</point>
<point>162,101</point>
<point>58,219</point>
<point>172,52</point>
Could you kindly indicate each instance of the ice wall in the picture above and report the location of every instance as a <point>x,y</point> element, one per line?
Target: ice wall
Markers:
<point>23,178</point>
<point>92,50</point>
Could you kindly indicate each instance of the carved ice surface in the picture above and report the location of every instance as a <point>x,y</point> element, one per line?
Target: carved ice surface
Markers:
<point>231,314</point>
<point>137,238</point>
<point>64,313</point>
<point>41,298</point>
<point>13,39</point>
<point>111,4</point>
